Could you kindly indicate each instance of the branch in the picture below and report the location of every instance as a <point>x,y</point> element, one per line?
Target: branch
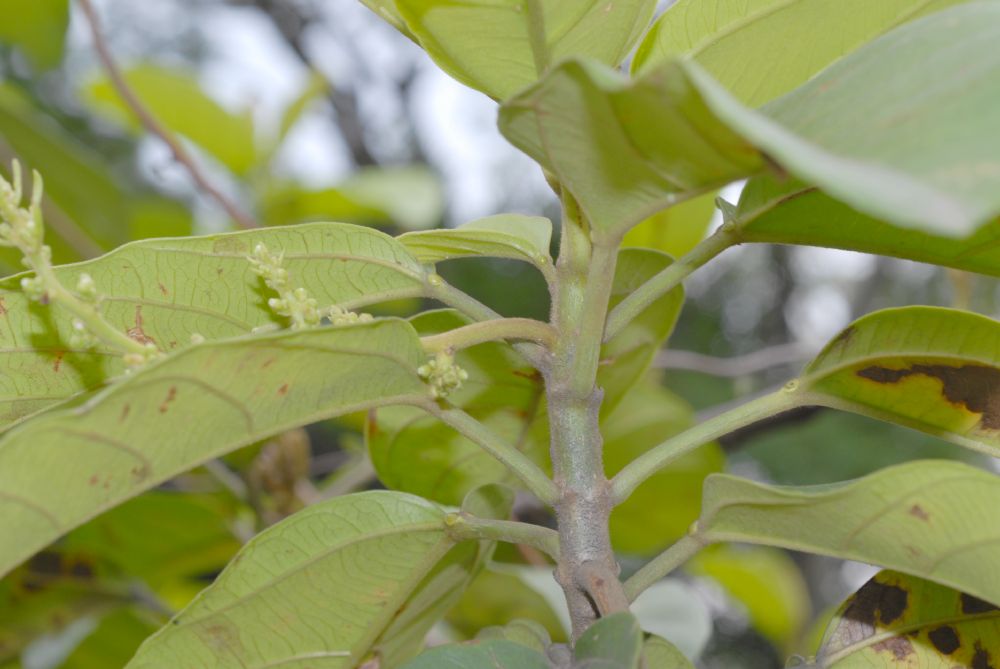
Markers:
<point>466,526</point>
<point>491,330</point>
<point>153,125</point>
<point>519,464</point>
<point>662,565</point>
<point>734,367</point>
<point>668,279</point>
<point>650,462</point>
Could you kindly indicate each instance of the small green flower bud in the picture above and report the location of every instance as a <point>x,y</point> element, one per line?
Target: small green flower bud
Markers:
<point>86,288</point>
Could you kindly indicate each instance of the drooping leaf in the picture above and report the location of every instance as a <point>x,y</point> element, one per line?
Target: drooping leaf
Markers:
<point>415,452</point>
<point>37,28</point>
<point>662,509</point>
<point>779,211</point>
<point>654,141</point>
<point>500,47</point>
<point>125,439</point>
<point>167,289</point>
<point>765,581</point>
<point>928,368</point>
<point>897,621</point>
<point>179,102</point>
<point>762,49</point>
<point>511,236</point>
<point>492,654</point>
<point>338,582</point>
<point>626,356</point>
<point>676,230</point>
<point>613,642</point>
<point>933,519</point>
<point>658,653</point>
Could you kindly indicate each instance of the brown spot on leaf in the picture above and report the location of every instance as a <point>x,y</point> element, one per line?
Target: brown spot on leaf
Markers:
<point>283,390</point>
<point>973,605</point>
<point>268,363</point>
<point>945,639</point>
<point>57,363</point>
<point>844,337</point>
<point>124,414</point>
<point>3,307</point>
<point>81,570</point>
<point>163,289</point>
<point>981,660</point>
<point>877,603</point>
<point>171,396</point>
<point>93,480</point>
<point>137,333</point>
<point>900,647</point>
<point>976,387</point>
<point>917,511</point>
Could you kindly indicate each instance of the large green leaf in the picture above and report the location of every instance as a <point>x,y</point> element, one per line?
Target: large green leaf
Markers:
<point>897,621</point>
<point>167,289</point>
<point>931,518</point>
<point>512,236</point>
<point>343,581</point>
<point>125,439</point>
<point>415,452</point>
<point>761,49</point>
<point>929,368</point>
<point>179,102</point>
<point>626,149</point>
<point>676,230</point>
<point>662,509</point>
<point>613,642</point>
<point>786,211</point>
<point>492,654</point>
<point>500,46</point>
<point>37,28</point>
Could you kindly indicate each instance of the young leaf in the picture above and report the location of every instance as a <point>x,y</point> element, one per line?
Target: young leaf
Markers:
<point>932,369</point>
<point>613,642</point>
<point>786,211</point>
<point>340,582</point>
<point>179,102</point>
<point>415,452</point>
<point>762,49</point>
<point>511,236</point>
<point>500,47</point>
<point>37,28</point>
<point>930,518</point>
<point>492,654</point>
<point>125,439</point>
<point>897,621</point>
<point>163,290</point>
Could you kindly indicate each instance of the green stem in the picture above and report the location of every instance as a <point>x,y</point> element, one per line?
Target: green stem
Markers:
<point>519,464</point>
<point>669,278</point>
<point>491,330</point>
<point>466,526</point>
<point>655,459</point>
<point>662,565</point>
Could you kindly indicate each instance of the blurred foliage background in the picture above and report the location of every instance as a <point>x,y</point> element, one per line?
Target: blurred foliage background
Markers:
<point>300,110</point>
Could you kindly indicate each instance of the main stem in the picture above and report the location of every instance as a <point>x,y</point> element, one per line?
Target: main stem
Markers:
<point>587,569</point>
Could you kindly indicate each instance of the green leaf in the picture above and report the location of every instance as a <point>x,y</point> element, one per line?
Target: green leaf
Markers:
<point>493,654</point>
<point>167,289</point>
<point>498,597</point>
<point>415,452</point>
<point>37,28</point>
<point>931,518</point>
<point>788,212</point>
<point>613,642</point>
<point>125,439</point>
<point>338,582</point>
<point>626,357</point>
<point>897,620</point>
<point>177,100</point>
<point>866,143</point>
<point>658,653</point>
<point>113,643</point>
<point>767,582</point>
<point>528,633</point>
<point>500,47</point>
<point>762,49</point>
<point>662,509</point>
<point>928,368</point>
<point>512,236</point>
<point>386,9</point>
<point>655,140</point>
<point>676,230</point>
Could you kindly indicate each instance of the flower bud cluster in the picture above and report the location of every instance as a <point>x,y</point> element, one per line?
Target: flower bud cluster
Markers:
<point>442,374</point>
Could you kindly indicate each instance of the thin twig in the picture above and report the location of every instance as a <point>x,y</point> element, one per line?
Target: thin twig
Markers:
<point>743,365</point>
<point>153,125</point>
